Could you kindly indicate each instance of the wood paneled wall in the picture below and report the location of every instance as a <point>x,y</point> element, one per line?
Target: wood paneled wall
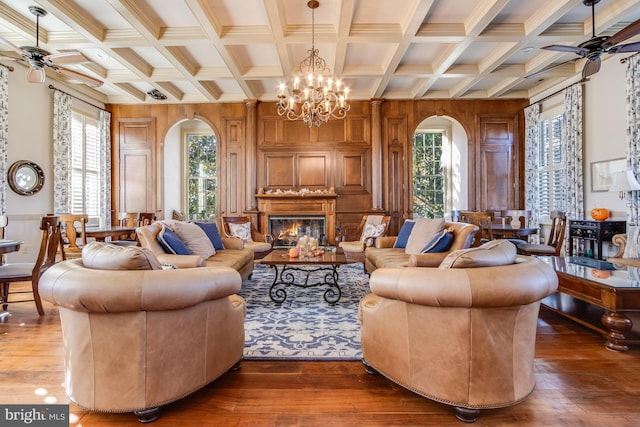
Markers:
<point>366,157</point>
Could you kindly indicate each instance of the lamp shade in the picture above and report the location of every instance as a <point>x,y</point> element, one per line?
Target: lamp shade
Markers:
<point>625,181</point>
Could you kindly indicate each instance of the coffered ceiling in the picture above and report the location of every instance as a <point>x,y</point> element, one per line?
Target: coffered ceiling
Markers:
<point>234,50</point>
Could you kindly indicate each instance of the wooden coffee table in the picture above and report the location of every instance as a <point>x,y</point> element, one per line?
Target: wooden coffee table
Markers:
<point>285,266</point>
<point>599,295</point>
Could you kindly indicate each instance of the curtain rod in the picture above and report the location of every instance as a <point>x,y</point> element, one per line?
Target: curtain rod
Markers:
<point>7,67</point>
<point>73,96</point>
<point>583,81</point>
<point>623,60</point>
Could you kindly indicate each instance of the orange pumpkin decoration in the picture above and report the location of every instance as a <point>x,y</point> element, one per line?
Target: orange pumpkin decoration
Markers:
<point>600,274</point>
<point>599,214</point>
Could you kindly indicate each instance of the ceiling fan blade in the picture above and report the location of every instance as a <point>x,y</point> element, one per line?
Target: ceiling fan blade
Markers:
<point>624,34</point>
<point>78,76</point>
<point>571,49</point>
<point>73,57</point>
<point>623,48</point>
<point>550,67</point>
<point>35,75</point>
<point>10,58</point>
<point>11,45</point>
<point>591,67</point>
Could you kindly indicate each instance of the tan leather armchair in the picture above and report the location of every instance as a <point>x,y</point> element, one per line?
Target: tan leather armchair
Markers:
<point>136,339</point>
<point>460,336</point>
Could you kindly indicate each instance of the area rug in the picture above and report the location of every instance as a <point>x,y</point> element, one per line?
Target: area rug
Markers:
<point>304,326</point>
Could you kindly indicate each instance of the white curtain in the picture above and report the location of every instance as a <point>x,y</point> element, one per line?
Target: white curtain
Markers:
<point>105,166</point>
<point>633,126</point>
<point>4,137</point>
<point>61,152</point>
<point>572,135</point>
<point>531,165</point>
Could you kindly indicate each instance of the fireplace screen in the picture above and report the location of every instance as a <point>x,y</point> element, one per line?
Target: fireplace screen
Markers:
<point>285,229</point>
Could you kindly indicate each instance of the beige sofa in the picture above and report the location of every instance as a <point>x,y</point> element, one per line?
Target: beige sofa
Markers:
<point>137,337</point>
<point>234,255</point>
<point>384,255</point>
<point>463,336</point>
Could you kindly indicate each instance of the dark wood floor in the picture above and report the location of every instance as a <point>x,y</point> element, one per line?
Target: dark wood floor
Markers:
<point>579,383</point>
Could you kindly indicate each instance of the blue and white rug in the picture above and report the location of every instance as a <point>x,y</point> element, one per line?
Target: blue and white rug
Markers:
<point>304,326</point>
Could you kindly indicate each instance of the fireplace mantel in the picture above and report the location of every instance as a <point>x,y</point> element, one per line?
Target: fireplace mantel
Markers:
<point>298,204</point>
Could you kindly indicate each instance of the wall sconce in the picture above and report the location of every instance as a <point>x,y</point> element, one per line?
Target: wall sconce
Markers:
<point>625,182</point>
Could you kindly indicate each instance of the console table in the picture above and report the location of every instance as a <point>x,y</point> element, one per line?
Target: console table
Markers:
<point>594,232</point>
<point>599,295</point>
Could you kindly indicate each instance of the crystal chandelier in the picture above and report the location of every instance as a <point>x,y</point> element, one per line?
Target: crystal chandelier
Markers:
<point>315,96</point>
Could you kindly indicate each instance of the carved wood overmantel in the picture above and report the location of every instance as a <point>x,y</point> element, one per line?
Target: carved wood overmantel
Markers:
<point>298,204</point>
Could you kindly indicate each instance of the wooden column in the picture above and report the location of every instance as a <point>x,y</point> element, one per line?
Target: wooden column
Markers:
<point>376,154</point>
<point>250,155</point>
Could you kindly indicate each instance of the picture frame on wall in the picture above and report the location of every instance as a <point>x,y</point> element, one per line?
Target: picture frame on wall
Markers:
<point>602,173</point>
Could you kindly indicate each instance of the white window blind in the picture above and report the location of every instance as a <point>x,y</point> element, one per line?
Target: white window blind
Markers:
<point>85,159</point>
<point>552,165</point>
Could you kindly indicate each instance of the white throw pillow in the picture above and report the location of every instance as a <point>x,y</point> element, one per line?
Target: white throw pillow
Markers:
<point>632,247</point>
<point>243,231</point>
<point>195,238</point>
<point>371,230</point>
<point>422,233</point>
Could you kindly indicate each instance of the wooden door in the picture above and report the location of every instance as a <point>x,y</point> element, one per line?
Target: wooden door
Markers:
<point>138,184</point>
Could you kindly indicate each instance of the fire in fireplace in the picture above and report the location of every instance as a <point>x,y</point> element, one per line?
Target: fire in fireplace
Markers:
<point>286,228</point>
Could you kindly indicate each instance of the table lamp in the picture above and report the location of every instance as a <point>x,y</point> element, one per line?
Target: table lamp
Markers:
<point>623,183</point>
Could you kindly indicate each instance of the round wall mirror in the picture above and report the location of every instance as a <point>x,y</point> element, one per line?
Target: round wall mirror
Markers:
<point>25,177</point>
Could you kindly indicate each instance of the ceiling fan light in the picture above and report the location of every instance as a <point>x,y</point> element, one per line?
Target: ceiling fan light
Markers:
<point>35,75</point>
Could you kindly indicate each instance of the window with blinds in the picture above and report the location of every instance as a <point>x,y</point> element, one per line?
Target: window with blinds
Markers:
<point>85,166</point>
<point>551,171</point>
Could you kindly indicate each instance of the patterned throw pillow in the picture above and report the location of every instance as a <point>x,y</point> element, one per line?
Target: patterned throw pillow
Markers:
<point>171,243</point>
<point>372,231</point>
<point>632,247</point>
<point>243,231</point>
<point>178,216</point>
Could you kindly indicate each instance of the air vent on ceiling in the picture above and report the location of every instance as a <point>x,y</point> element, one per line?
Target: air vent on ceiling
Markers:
<point>156,94</point>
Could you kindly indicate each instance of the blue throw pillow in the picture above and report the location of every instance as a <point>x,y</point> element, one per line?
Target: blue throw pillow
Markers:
<point>171,243</point>
<point>211,230</point>
<point>403,235</point>
<point>440,243</point>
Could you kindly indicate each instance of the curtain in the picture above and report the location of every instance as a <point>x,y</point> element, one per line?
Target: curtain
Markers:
<point>4,137</point>
<point>105,166</point>
<point>61,152</point>
<point>531,164</point>
<point>572,135</point>
<point>633,130</point>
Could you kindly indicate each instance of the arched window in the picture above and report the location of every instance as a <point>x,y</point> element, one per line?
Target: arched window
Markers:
<point>428,174</point>
<point>202,179</point>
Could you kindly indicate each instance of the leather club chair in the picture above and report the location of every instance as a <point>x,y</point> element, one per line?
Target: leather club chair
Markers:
<point>463,335</point>
<point>137,337</point>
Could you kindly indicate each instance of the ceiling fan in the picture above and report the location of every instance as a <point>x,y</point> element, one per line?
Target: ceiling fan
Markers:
<point>39,59</point>
<point>593,48</point>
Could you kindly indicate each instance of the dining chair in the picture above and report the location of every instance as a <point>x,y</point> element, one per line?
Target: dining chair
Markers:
<point>242,227</point>
<point>129,220</point>
<point>31,271</point>
<point>554,242</point>
<point>69,247</point>
<point>516,218</point>
<point>483,221</point>
<point>4,221</point>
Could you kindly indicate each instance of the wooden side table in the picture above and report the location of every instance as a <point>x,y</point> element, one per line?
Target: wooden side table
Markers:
<point>595,232</point>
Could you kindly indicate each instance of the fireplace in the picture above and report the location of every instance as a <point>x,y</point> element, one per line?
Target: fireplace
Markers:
<point>317,209</point>
<point>286,228</point>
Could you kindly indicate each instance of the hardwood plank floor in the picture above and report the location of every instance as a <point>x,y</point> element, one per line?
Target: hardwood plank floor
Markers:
<point>579,383</point>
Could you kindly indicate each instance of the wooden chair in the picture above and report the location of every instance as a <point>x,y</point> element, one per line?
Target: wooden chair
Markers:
<point>69,247</point>
<point>31,271</point>
<point>483,220</point>
<point>523,217</point>
<point>554,243</point>
<point>362,237</point>
<point>261,244</point>
<point>4,221</point>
